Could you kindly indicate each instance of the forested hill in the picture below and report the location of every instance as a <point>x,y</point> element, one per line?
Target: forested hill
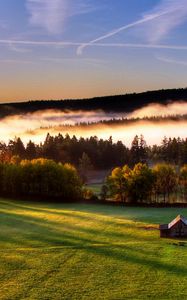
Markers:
<point>119,103</point>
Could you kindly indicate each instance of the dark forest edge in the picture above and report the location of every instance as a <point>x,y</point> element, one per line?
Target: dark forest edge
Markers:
<point>119,103</point>
<point>96,153</point>
<point>46,180</point>
<point>57,170</point>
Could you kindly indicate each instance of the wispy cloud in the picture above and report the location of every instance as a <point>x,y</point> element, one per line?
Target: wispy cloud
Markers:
<point>51,15</point>
<point>177,15</point>
<point>47,14</point>
<point>163,18</point>
<point>118,30</point>
<point>172,61</point>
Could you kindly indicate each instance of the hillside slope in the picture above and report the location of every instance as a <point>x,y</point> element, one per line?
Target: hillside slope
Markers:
<point>119,103</point>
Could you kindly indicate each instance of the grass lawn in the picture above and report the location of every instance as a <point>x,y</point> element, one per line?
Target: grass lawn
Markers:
<point>78,251</point>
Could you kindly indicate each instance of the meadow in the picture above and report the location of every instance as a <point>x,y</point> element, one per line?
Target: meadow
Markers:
<point>83,251</point>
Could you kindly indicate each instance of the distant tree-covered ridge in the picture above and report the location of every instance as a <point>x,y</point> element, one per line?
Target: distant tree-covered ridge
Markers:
<point>122,121</point>
<point>118,103</point>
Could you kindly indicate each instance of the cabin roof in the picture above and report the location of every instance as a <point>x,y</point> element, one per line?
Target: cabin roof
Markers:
<point>172,223</point>
<point>176,220</point>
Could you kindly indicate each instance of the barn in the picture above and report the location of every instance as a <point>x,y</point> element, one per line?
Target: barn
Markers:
<point>175,229</point>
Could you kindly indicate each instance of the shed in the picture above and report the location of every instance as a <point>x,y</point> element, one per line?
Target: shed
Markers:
<point>175,229</point>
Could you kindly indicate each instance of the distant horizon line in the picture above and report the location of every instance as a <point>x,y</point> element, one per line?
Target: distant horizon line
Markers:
<point>94,97</point>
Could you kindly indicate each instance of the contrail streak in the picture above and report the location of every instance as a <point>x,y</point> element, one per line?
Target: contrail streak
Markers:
<point>118,30</point>
<point>75,44</point>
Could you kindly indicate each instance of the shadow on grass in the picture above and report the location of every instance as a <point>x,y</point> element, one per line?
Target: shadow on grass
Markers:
<point>30,231</point>
<point>136,214</point>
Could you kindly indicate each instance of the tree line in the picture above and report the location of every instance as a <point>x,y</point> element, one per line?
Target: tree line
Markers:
<point>44,179</point>
<point>142,184</point>
<point>40,179</point>
<point>127,121</point>
<point>101,154</point>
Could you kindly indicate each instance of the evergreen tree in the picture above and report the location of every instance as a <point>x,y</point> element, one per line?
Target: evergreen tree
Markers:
<point>30,151</point>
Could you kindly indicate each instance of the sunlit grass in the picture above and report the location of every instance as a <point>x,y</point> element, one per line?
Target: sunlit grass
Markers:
<point>78,251</point>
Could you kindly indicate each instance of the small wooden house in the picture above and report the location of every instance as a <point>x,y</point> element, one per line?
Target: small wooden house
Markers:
<point>175,229</point>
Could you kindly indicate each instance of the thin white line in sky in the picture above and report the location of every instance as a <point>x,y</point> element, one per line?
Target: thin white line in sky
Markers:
<point>72,44</point>
<point>123,28</point>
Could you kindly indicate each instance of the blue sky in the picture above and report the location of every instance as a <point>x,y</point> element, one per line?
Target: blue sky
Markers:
<point>55,49</point>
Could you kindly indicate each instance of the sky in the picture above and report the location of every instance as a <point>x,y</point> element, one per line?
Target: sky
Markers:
<point>57,49</point>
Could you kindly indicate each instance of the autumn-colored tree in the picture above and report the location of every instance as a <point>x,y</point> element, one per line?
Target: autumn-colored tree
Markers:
<point>40,178</point>
<point>141,182</point>
<point>165,180</point>
<point>183,181</point>
<point>117,183</point>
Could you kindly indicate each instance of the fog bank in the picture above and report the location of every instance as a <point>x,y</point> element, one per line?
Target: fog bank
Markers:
<point>36,125</point>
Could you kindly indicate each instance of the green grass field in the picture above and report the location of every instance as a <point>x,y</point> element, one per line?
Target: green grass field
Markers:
<point>79,251</point>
